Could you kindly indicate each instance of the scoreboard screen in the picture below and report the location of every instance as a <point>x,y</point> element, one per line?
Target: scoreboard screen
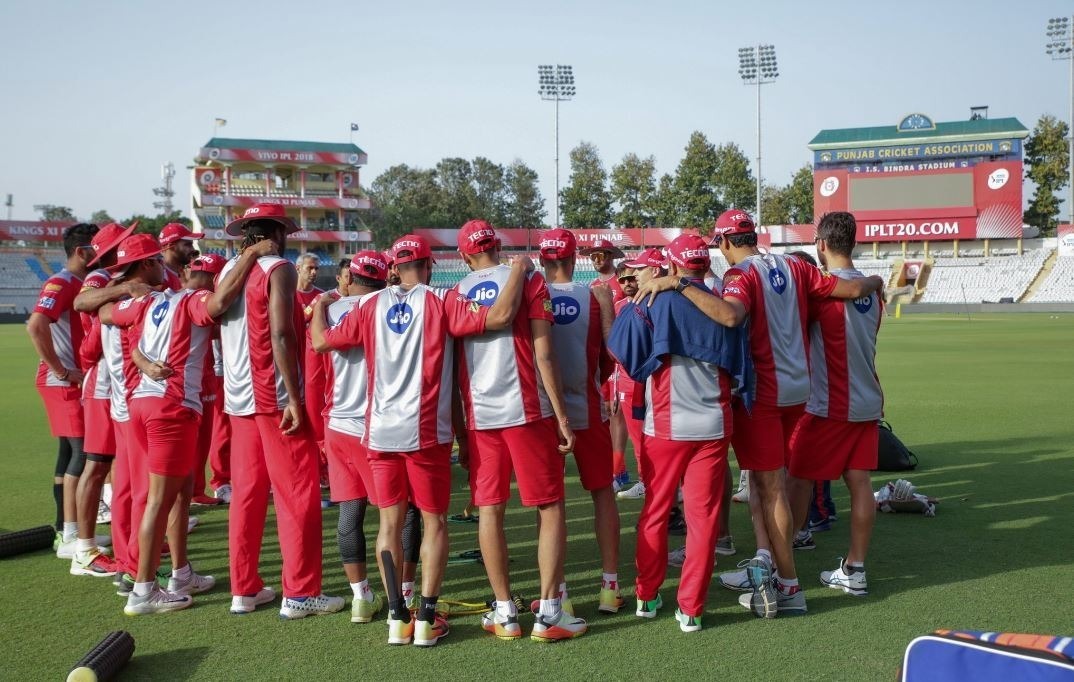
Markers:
<point>898,192</point>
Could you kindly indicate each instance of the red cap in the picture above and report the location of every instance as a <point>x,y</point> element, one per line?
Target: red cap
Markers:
<point>262,212</point>
<point>417,246</point>
<point>689,251</point>
<point>387,256</point>
<point>477,236</point>
<point>370,264</point>
<point>604,245</point>
<point>649,258</point>
<point>209,262</point>
<point>557,244</point>
<point>135,248</point>
<point>108,238</point>
<point>734,222</point>
<point>175,232</point>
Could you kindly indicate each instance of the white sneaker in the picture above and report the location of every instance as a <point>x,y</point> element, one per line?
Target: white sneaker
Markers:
<point>738,580</point>
<point>291,609</point>
<point>104,513</point>
<point>725,546</point>
<point>223,493</point>
<point>241,605</point>
<point>677,557</point>
<point>195,584</point>
<point>157,601</point>
<point>192,523</point>
<point>636,492</point>
<point>616,487</point>
<point>743,493</point>
<point>851,583</point>
<point>66,549</point>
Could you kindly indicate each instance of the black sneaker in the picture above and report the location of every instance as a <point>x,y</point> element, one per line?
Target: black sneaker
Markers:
<point>804,541</point>
<point>676,522</point>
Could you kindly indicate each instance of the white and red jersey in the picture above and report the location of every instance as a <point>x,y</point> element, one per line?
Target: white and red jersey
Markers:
<point>96,384</point>
<point>579,344</point>
<point>306,300</point>
<point>172,280</point>
<point>776,291</point>
<point>714,282</point>
<point>56,302</point>
<point>501,384</point>
<point>176,330</point>
<point>688,400</point>
<point>612,283</point>
<point>407,336</point>
<point>349,378</point>
<point>252,384</point>
<point>842,335</point>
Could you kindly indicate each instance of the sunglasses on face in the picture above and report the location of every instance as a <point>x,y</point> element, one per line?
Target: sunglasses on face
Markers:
<point>629,279</point>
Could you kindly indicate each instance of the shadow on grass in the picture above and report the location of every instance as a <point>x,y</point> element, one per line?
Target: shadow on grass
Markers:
<point>178,664</point>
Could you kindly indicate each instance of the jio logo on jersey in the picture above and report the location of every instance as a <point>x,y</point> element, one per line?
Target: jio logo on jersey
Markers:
<point>159,312</point>
<point>565,309</point>
<point>485,293</point>
<point>778,280</point>
<point>400,317</point>
<point>863,304</point>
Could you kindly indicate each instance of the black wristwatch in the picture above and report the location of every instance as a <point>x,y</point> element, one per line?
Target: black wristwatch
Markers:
<point>683,283</point>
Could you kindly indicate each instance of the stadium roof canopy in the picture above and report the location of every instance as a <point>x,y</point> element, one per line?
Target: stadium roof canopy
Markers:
<point>284,145</point>
<point>954,131</point>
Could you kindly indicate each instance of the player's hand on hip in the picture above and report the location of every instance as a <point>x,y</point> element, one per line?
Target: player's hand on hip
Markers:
<point>566,436</point>
<point>158,371</point>
<point>292,418</point>
<point>75,376</point>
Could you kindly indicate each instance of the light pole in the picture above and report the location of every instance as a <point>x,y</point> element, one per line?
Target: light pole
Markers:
<point>757,66</point>
<point>1060,42</point>
<point>555,84</point>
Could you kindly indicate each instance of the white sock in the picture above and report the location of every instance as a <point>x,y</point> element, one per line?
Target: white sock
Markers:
<point>506,608</point>
<point>786,585</point>
<point>551,608</point>
<point>361,590</point>
<point>70,530</point>
<point>562,591</point>
<point>610,581</point>
<point>183,573</point>
<point>408,590</point>
<point>85,546</point>
<point>143,589</point>
<point>106,494</point>
<point>766,555</point>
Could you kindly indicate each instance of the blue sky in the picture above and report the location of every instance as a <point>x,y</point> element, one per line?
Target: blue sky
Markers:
<point>94,97</point>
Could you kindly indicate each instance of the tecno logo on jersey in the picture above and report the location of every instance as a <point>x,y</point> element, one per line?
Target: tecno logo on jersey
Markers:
<point>399,317</point>
<point>485,293</point>
<point>778,280</point>
<point>565,309</point>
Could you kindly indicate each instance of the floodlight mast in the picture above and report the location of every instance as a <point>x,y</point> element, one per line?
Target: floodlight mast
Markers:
<point>1060,35</point>
<point>556,84</point>
<point>757,66</point>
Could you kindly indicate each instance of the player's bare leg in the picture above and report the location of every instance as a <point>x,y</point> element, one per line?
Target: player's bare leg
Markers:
<point>771,489</point>
<point>606,525</point>
<point>493,545</point>
<point>390,538</point>
<point>862,514</point>
<point>757,517</point>
<point>551,547</point>
<point>434,553</point>
<point>88,496</point>
<point>177,523</point>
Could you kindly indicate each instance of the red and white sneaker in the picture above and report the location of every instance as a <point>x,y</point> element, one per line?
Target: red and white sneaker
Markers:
<point>564,627</point>
<point>428,634</point>
<point>95,564</point>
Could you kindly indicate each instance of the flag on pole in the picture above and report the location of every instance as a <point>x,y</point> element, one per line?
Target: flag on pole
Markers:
<point>221,122</point>
<point>354,127</point>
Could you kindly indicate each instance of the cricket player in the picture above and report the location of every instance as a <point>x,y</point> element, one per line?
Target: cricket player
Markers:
<point>839,434</point>
<point>56,332</point>
<point>349,474</point>
<point>690,367</point>
<point>583,316</point>
<point>201,276</point>
<point>774,292</point>
<point>272,443</point>
<point>177,245</point>
<point>515,416</point>
<point>407,332</point>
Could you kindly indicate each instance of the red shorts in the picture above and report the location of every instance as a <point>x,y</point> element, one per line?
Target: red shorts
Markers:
<point>165,434</point>
<point>761,438</point>
<point>823,449</point>
<point>593,455</point>
<point>423,476</point>
<point>63,405</point>
<point>349,475</point>
<point>100,434</point>
<point>531,450</point>
<point>607,391</point>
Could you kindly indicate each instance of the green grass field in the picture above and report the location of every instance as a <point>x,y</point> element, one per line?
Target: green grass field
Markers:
<point>986,404</point>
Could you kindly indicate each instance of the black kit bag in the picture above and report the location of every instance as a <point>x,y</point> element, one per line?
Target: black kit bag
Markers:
<point>892,455</point>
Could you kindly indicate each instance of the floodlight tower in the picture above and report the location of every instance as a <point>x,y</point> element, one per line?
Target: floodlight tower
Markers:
<point>165,191</point>
<point>556,85</point>
<point>1058,47</point>
<point>757,66</point>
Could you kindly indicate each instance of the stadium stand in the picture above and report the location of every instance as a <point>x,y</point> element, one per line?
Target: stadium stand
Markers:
<point>1058,287</point>
<point>979,279</point>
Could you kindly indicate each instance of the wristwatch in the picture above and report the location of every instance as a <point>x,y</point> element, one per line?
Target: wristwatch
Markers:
<point>683,283</point>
